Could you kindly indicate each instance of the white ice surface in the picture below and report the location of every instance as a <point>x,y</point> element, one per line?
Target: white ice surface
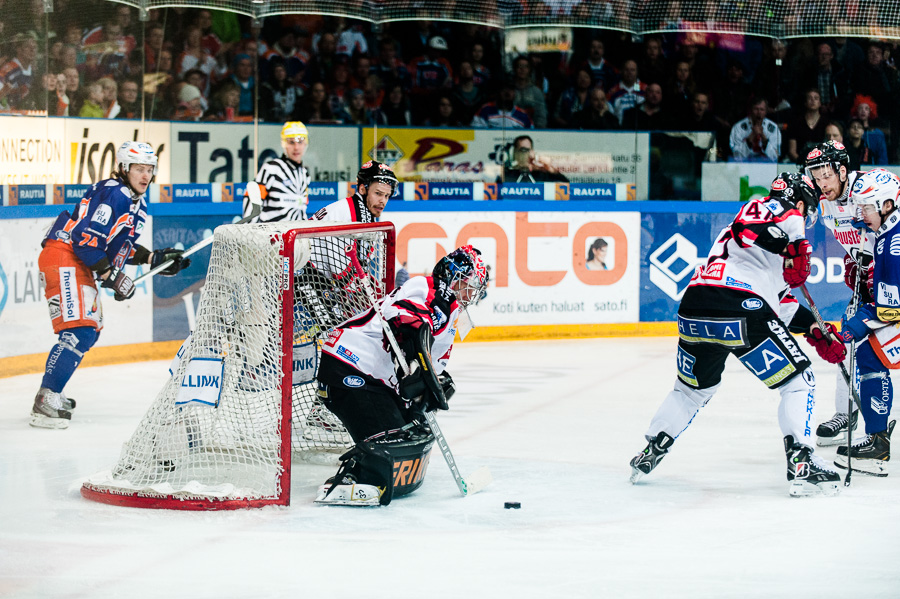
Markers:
<point>556,422</point>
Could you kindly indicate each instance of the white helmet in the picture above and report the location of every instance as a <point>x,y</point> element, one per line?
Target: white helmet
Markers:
<point>874,188</point>
<point>136,152</point>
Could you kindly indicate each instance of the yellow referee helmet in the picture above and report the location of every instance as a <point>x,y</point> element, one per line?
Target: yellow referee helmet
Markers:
<point>294,129</point>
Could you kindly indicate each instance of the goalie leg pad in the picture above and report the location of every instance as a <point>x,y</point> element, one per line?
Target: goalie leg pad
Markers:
<point>363,478</point>
<point>410,451</point>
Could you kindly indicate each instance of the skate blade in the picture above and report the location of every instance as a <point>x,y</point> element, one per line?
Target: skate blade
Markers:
<point>863,466</point>
<point>636,475</point>
<point>802,488</point>
<point>41,421</point>
<point>839,439</point>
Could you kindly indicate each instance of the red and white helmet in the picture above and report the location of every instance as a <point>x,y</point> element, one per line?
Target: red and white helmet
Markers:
<point>136,152</point>
<point>874,188</point>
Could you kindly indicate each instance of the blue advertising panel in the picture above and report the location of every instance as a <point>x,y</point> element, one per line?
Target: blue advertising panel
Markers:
<point>186,192</point>
<point>25,195</point>
<point>450,191</point>
<point>592,191</point>
<point>327,192</point>
<point>672,244</point>
<point>522,191</point>
<point>69,194</point>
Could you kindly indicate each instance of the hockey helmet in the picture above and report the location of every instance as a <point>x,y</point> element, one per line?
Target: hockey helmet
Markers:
<point>464,265</point>
<point>136,152</point>
<point>874,188</point>
<point>829,153</point>
<point>294,129</point>
<point>794,187</point>
<point>377,172</point>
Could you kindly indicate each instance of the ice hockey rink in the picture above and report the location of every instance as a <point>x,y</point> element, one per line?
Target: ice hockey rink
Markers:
<point>556,422</point>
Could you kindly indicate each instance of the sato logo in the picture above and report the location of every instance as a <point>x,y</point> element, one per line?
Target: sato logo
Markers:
<point>354,381</point>
<point>752,304</point>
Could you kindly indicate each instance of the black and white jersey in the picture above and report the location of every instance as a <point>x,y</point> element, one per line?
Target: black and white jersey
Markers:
<point>287,188</point>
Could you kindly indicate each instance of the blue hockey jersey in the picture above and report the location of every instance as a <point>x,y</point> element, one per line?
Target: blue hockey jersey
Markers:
<point>108,219</point>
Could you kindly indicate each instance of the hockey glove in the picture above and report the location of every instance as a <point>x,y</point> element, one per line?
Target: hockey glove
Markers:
<point>862,323</point>
<point>828,345</point>
<point>797,262</point>
<point>851,268</point>
<point>121,284</point>
<point>447,384</point>
<point>178,263</point>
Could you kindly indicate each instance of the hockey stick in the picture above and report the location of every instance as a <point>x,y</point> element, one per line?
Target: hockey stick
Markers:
<point>850,383</point>
<point>821,322</point>
<point>255,198</point>
<point>482,476</point>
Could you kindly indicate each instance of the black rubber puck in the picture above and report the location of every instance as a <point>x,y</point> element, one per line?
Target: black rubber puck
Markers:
<point>512,505</point>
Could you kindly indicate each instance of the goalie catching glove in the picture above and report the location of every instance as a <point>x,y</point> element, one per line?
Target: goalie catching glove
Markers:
<point>797,266</point>
<point>422,386</point>
<point>828,344</point>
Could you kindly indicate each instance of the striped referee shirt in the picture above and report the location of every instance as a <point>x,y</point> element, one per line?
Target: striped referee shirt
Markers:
<point>287,187</point>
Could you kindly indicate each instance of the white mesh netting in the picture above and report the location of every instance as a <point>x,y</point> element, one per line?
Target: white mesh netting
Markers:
<point>774,18</point>
<point>216,429</point>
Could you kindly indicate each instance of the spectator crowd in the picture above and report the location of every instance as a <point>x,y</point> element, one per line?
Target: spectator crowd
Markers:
<point>763,99</point>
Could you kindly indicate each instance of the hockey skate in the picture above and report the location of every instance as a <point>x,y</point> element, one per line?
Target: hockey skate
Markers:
<point>49,411</point>
<point>644,462</point>
<point>869,455</point>
<point>349,492</point>
<point>67,402</point>
<point>807,473</point>
<point>834,431</point>
<point>323,426</point>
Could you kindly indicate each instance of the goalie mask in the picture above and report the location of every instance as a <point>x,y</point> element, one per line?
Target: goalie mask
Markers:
<point>377,172</point>
<point>794,187</point>
<point>872,190</point>
<point>464,269</point>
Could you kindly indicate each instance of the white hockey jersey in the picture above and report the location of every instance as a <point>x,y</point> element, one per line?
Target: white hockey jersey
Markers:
<point>838,216</point>
<point>360,343</point>
<point>329,257</point>
<point>736,260</point>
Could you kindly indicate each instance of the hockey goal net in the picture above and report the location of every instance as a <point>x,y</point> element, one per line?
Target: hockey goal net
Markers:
<point>241,395</point>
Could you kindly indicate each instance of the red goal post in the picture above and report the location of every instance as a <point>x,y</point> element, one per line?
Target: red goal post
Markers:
<point>241,395</point>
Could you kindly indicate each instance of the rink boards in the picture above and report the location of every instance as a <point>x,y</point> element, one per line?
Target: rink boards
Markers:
<point>540,284</point>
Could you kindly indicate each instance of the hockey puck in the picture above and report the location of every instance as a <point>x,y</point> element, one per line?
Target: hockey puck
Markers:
<point>512,505</point>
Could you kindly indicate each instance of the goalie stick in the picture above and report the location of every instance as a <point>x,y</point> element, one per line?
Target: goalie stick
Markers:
<point>255,198</point>
<point>854,394</point>
<point>479,479</point>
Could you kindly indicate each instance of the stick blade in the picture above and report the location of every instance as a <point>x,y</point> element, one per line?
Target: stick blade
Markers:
<point>478,480</point>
